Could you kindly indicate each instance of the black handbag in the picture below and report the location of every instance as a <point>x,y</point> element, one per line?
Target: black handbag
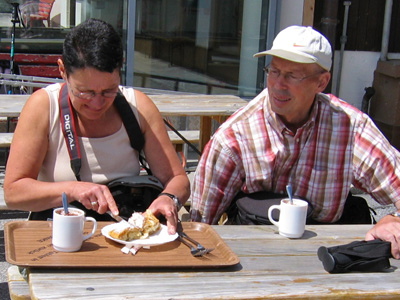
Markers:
<point>252,209</point>
<point>135,193</point>
<point>357,256</point>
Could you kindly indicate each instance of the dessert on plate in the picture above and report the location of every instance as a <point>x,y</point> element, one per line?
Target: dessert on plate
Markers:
<point>139,226</point>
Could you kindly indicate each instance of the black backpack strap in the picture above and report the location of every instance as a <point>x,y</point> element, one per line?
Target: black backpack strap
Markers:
<point>130,122</point>
<point>132,127</point>
<point>68,128</point>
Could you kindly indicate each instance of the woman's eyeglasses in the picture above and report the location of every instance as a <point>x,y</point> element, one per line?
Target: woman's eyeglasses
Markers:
<point>91,95</point>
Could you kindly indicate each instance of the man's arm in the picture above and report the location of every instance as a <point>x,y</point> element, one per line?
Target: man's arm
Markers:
<point>216,182</point>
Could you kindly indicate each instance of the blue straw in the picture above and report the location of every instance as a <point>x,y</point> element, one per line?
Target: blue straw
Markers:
<point>65,203</point>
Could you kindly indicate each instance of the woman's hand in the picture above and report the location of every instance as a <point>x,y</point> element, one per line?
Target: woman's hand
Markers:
<point>94,196</point>
<point>165,206</point>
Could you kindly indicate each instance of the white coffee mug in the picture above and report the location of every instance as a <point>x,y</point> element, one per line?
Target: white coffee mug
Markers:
<point>68,229</point>
<point>292,217</point>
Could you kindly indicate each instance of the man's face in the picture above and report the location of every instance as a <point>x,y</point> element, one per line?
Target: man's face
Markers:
<point>292,88</point>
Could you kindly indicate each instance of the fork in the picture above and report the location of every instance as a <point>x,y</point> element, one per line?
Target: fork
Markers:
<point>195,252</point>
<point>200,250</point>
<point>199,246</point>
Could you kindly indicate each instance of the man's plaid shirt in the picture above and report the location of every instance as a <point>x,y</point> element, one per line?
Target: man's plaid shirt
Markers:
<point>254,151</point>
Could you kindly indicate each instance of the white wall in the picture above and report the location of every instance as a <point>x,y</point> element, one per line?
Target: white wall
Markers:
<point>291,13</point>
<point>358,66</point>
<point>357,74</point>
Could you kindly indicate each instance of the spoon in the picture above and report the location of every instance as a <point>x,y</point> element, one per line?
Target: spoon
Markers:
<point>65,203</point>
<point>289,191</point>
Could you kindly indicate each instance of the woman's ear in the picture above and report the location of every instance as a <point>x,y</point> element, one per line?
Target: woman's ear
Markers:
<point>61,69</point>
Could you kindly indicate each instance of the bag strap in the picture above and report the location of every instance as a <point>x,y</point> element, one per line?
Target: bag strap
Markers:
<point>129,120</point>
<point>132,128</point>
<point>69,130</point>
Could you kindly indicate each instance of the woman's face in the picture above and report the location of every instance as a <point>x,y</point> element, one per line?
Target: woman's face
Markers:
<point>92,92</point>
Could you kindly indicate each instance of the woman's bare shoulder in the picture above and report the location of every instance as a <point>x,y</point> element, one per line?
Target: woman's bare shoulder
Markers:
<point>37,102</point>
<point>36,109</point>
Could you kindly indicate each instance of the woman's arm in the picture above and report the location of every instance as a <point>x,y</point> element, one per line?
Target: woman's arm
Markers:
<point>22,190</point>
<point>163,160</point>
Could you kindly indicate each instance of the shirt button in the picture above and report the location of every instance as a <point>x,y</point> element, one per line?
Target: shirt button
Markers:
<point>298,140</point>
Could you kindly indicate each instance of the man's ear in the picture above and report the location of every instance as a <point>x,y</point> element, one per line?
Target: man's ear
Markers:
<point>323,81</point>
<point>61,69</point>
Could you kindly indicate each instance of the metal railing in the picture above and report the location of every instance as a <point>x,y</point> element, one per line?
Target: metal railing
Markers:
<point>26,83</point>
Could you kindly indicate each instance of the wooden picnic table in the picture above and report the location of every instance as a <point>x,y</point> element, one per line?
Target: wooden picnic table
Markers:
<point>207,107</point>
<point>270,267</point>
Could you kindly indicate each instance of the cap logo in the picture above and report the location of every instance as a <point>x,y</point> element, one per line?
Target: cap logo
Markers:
<point>297,45</point>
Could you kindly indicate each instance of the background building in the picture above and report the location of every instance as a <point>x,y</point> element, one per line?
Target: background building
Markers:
<point>207,46</point>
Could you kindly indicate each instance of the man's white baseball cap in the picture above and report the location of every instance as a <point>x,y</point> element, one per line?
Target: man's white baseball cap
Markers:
<point>303,45</point>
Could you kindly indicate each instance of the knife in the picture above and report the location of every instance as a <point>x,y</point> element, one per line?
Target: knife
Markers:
<point>116,218</point>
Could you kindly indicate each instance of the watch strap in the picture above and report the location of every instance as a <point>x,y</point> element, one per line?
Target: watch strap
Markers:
<point>177,203</point>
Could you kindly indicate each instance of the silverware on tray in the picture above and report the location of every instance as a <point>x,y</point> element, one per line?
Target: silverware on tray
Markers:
<point>116,218</point>
<point>199,251</point>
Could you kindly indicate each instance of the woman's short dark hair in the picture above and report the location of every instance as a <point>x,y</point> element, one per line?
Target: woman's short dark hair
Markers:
<point>94,43</point>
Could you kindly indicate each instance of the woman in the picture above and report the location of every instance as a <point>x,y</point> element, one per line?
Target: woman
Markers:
<point>38,168</point>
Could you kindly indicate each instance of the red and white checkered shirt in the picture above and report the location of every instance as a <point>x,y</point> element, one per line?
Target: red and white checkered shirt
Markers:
<point>254,151</point>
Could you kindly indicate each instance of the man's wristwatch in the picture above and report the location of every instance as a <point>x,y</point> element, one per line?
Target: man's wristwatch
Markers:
<point>174,198</point>
<point>396,214</point>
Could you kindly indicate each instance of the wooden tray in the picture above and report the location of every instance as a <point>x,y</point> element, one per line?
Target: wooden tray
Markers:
<point>28,244</point>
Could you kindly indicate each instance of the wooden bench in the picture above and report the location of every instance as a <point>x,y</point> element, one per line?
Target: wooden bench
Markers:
<point>3,205</point>
<point>192,136</point>
<point>17,285</point>
<point>5,139</point>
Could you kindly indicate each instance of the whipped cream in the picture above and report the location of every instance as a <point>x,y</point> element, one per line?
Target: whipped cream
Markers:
<point>137,220</point>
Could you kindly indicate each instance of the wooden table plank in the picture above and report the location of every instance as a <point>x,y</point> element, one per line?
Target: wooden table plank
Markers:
<point>197,105</point>
<point>241,284</point>
<point>169,105</point>
<point>271,267</point>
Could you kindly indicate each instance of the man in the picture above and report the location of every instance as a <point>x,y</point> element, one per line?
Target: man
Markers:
<point>292,132</point>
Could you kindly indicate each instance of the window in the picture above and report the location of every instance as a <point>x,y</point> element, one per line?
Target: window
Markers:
<point>203,46</point>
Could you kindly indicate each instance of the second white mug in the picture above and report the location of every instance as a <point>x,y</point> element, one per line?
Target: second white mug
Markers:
<point>292,217</point>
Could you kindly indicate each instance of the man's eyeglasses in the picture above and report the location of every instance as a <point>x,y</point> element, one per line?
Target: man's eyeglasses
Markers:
<point>91,95</point>
<point>289,77</point>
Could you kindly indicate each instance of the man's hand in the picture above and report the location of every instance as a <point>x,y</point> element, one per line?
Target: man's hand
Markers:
<point>387,229</point>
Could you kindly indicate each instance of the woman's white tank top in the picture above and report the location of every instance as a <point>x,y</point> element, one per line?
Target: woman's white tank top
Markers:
<point>103,159</point>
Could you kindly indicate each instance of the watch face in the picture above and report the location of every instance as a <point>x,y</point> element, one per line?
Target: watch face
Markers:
<point>177,203</point>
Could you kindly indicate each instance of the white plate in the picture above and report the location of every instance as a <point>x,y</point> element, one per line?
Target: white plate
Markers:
<point>160,237</point>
